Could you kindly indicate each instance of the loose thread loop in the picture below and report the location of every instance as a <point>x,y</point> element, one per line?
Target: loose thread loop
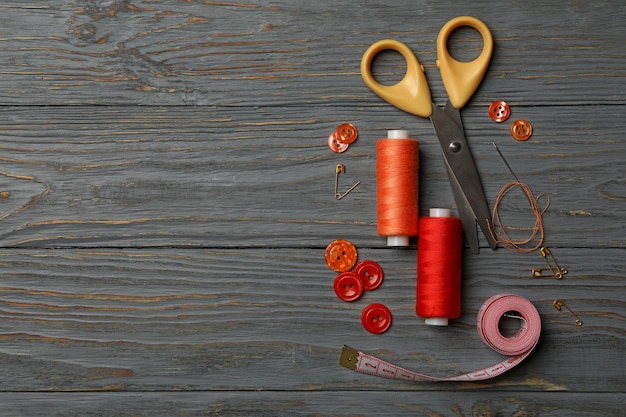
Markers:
<point>498,230</point>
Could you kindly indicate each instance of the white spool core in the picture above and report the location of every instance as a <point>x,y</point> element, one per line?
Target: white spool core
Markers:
<point>397,241</point>
<point>397,134</point>
<point>440,212</point>
<point>436,321</point>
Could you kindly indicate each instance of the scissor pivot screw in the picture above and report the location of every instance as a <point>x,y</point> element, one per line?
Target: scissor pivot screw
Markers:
<point>454,147</point>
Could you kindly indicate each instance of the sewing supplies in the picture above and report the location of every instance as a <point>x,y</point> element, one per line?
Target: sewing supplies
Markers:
<point>558,304</point>
<point>521,130</point>
<point>438,292</point>
<point>376,318</point>
<point>367,275</point>
<point>500,234</point>
<point>517,347</point>
<point>439,246</point>
<point>499,111</point>
<point>347,133</point>
<point>397,166</point>
<point>412,94</point>
<point>556,271</point>
<point>348,286</point>
<point>339,169</point>
<point>340,255</point>
<point>370,273</point>
<point>505,161</point>
<point>335,145</point>
<point>339,141</point>
<point>499,231</point>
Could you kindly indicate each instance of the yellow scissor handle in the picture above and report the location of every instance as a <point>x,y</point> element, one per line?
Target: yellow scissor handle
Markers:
<point>411,94</point>
<point>461,79</point>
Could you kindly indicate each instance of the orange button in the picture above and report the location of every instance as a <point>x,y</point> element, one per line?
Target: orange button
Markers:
<point>347,133</point>
<point>335,145</point>
<point>340,255</point>
<point>499,111</point>
<point>521,129</point>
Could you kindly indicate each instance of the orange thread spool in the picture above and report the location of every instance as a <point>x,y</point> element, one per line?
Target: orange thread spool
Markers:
<point>439,268</point>
<point>397,165</point>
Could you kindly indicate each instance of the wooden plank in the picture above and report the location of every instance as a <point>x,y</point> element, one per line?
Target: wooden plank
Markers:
<point>254,53</point>
<point>290,403</point>
<point>258,319</point>
<point>166,198</point>
<point>215,177</point>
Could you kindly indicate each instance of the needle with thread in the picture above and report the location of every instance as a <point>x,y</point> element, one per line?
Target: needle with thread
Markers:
<point>505,162</point>
<point>557,272</point>
<point>498,230</point>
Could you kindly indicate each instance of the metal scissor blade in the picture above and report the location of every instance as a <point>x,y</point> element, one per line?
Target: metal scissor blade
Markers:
<point>454,114</point>
<point>462,170</point>
<point>465,212</point>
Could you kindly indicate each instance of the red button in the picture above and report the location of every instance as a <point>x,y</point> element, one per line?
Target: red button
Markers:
<point>499,111</point>
<point>376,318</point>
<point>340,255</point>
<point>347,133</point>
<point>370,273</point>
<point>335,145</point>
<point>521,129</point>
<point>348,286</point>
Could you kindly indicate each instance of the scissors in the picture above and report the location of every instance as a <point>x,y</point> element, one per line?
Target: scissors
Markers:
<point>412,94</point>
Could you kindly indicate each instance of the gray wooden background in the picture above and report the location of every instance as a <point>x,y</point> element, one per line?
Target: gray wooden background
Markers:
<point>166,195</point>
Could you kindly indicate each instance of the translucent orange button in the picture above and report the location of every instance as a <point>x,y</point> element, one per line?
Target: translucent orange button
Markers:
<point>341,255</point>
<point>521,129</point>
<point>335,144</point>
<point>499,111</point>
<point>347,133</point>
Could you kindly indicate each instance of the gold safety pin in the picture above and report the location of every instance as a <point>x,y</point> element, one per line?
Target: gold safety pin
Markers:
<point>560,303</point>
<point>556,271</point>
<point>341,168</point>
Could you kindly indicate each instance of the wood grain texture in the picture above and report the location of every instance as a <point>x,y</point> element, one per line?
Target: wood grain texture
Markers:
<point>128,177</point>
<point>276,404</point>
<point>166,195</point>
<point>258,319</point>
<point>252,53</point>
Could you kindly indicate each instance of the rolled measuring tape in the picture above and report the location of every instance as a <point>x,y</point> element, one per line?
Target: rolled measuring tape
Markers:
<point>516,347</point>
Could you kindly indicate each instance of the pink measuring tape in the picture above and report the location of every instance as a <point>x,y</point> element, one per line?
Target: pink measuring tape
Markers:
<point>516,347</point>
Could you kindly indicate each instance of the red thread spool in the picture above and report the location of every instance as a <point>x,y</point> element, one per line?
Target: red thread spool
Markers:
<point>439,268</point>
<point>397,165</point>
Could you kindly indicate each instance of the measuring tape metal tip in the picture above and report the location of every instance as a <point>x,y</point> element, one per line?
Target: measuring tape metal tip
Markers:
<point>349,357</point>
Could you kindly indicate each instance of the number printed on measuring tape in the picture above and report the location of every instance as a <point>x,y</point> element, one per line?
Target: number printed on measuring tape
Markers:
<point>518,347</point>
